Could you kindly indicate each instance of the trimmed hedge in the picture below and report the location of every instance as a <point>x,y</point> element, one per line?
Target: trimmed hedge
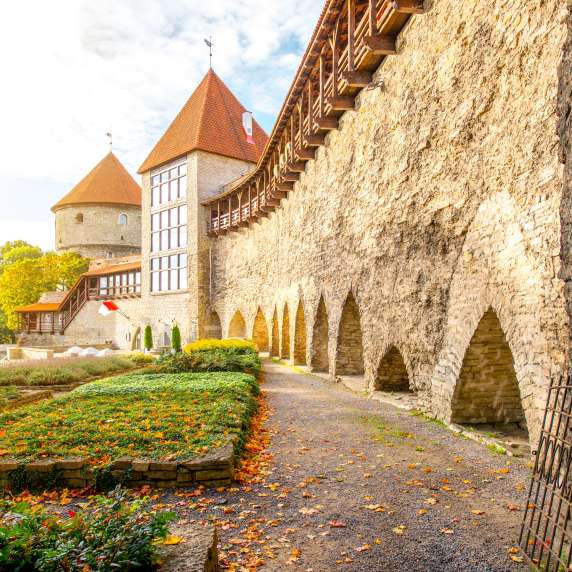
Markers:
<point>62,370</point>
<point>238,346</point>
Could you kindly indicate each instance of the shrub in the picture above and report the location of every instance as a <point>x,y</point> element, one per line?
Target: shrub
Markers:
<point>141,359</point>
<point>112,534</point>
<point>148,338</point>
<point>240,346</point>
<point>209,361</point>
<point>176,338</point>
<point>61,370</point>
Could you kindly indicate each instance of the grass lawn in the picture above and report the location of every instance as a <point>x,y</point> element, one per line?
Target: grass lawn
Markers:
<point>161,417</point>
<point>62,370</point>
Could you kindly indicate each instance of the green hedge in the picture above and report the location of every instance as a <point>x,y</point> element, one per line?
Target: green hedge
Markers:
<point>174,417</point>
<point>62,370</point>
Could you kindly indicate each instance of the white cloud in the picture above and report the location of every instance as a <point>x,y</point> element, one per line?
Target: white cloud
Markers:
<point>73,69</point>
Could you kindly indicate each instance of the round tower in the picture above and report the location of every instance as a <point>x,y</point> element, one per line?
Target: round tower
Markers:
<point>101,216</point>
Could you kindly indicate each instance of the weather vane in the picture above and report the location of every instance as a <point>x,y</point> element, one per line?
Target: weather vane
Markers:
<point>110,137</point>
<point>210,44</point>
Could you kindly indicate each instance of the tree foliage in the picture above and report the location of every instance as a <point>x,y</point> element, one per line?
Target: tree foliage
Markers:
<point>176,338</point>
<point>18,250</point>
<point>148,338</point>
<point>23,281</point>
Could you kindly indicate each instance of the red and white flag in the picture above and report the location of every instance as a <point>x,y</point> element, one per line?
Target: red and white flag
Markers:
<point>247,126</point>
<point>107,308</point>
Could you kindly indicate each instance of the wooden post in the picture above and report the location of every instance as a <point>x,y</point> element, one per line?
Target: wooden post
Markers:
<point>334,46</point>
<point>218,216</point>
<point>322,83</point>
<point>372,17</point>
<point>351,34</point>
<point>310,104</point>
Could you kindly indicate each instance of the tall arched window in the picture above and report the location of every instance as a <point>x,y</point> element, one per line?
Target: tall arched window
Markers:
<point>123,219</point>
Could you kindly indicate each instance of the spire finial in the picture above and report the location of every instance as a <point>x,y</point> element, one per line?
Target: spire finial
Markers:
<point>210,44</point>
<point>110,137</point>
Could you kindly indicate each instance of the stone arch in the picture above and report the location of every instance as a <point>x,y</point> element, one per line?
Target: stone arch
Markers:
<point>260,331</point>
<point>237,327</point>
<point>275,345</point>
<point>392,372</point>
<point>319,359</point>
<point>498,269</point>
<point>213,327</point>
<point>123,219</point>
<point>300,335</point>
<point>285,345</point>
<point>136,339</point>
<point>487,389</point>
<point>349,351</point>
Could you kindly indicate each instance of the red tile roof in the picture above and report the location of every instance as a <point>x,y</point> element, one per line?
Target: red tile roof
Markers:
<point>38,308</point>
<point>114,268</point>
<point>211,120</point>
<point>107,183</point>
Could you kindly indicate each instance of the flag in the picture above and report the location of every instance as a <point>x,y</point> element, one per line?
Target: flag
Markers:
<point>107,308</point>
<point>247,126</point>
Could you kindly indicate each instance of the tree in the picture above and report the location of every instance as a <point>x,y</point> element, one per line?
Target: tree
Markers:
<point>176,338</point>
<point>24,281</point>
<point>19,250</point>
<point>148,338</point>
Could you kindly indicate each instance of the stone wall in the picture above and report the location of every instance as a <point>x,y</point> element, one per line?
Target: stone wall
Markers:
<point>94,230</point>
<point>436,200</point>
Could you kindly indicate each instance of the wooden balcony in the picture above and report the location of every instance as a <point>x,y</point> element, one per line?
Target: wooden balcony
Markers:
<point>350,41</point>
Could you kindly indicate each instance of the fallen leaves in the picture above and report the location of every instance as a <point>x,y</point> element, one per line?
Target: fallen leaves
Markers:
<point>172,540</point>
<point>337,524</point>
<point>400,529</point>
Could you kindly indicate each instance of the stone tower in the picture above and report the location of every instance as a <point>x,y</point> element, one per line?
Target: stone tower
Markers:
<point>204,149</point>
<point>101,216</point>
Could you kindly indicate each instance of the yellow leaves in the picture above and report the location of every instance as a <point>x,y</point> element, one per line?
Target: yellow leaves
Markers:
<point>447,531</point>
<point>273,486</point>
<point>363,548</point>
<point>478,512</point>
<point>295,554</point>
<point>171,540</point>
<point>375,507</point>
<point>400,529</point>
<point>422,511</point>
<point>308,511</point>
<point>514,554</point>
<point>431,500</point>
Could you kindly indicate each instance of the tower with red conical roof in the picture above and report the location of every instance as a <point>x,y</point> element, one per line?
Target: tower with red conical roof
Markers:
<point>202,150</point>
<point>101,216</point>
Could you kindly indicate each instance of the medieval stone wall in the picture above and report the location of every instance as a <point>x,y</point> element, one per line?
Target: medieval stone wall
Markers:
<point>94,230</point>
<point>437,201</point>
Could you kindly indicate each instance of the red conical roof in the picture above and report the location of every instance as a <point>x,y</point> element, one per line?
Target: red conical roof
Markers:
<point>211,120</point>
<point>107,183</point>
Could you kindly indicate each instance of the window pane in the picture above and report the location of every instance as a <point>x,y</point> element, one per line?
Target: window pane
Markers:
<point>183,278</point>
<point>155,282</point>
<point>131,278</point>
<point>155,263</point>
<point>164,240</point>
<point>154,180</point>
<point>164,193</point>
<point>164,176</point>
<point>183,169</point>
<point>174,241</point>
<point>164,263</point>
<point>183,236</point>
<point>156,198</point>
<point>174,280</point>
<point>164,219</point>
<point>174,261</point>
<point>137,277</point>
<point>173,190</point>
<point>155,220</point>
<point>183,186</point>
<point>183,214</point>
<point>103,281</point>
<point>183,260</point>
<point>174,216</point>
<point>164,281</point>
<point>155,245</point>
<point>173,173</point>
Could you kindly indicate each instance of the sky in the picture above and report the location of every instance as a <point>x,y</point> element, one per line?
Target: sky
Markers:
<point>74,70</point>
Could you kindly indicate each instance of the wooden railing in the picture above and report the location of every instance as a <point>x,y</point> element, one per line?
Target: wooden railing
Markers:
<point>351,40</point>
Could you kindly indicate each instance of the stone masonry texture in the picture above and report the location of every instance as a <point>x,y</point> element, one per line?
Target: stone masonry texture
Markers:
<point>438,202</point>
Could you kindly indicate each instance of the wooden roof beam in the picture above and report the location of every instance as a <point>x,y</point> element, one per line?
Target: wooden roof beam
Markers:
<point>409,6</point>
<point>381,45</point>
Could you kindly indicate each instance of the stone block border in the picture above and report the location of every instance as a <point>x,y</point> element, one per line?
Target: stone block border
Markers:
<point>215,469</point>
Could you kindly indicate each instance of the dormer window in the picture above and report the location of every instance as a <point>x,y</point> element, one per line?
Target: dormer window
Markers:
<point>123,219</point>
<point>79,218</point>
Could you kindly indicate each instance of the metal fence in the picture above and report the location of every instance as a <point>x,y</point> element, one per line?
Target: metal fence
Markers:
<point>546,534</point>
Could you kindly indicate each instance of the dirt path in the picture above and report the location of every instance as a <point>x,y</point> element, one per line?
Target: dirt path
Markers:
<point>358,485</point>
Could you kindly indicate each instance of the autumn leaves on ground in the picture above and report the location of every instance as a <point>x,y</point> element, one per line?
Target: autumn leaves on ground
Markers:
<point>340,482</point>
<point>333,481</point>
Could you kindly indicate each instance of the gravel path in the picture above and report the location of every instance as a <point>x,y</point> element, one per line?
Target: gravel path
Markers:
<point>359,485</point>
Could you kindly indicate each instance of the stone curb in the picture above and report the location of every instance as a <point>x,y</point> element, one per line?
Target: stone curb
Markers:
<point>214,469</point>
